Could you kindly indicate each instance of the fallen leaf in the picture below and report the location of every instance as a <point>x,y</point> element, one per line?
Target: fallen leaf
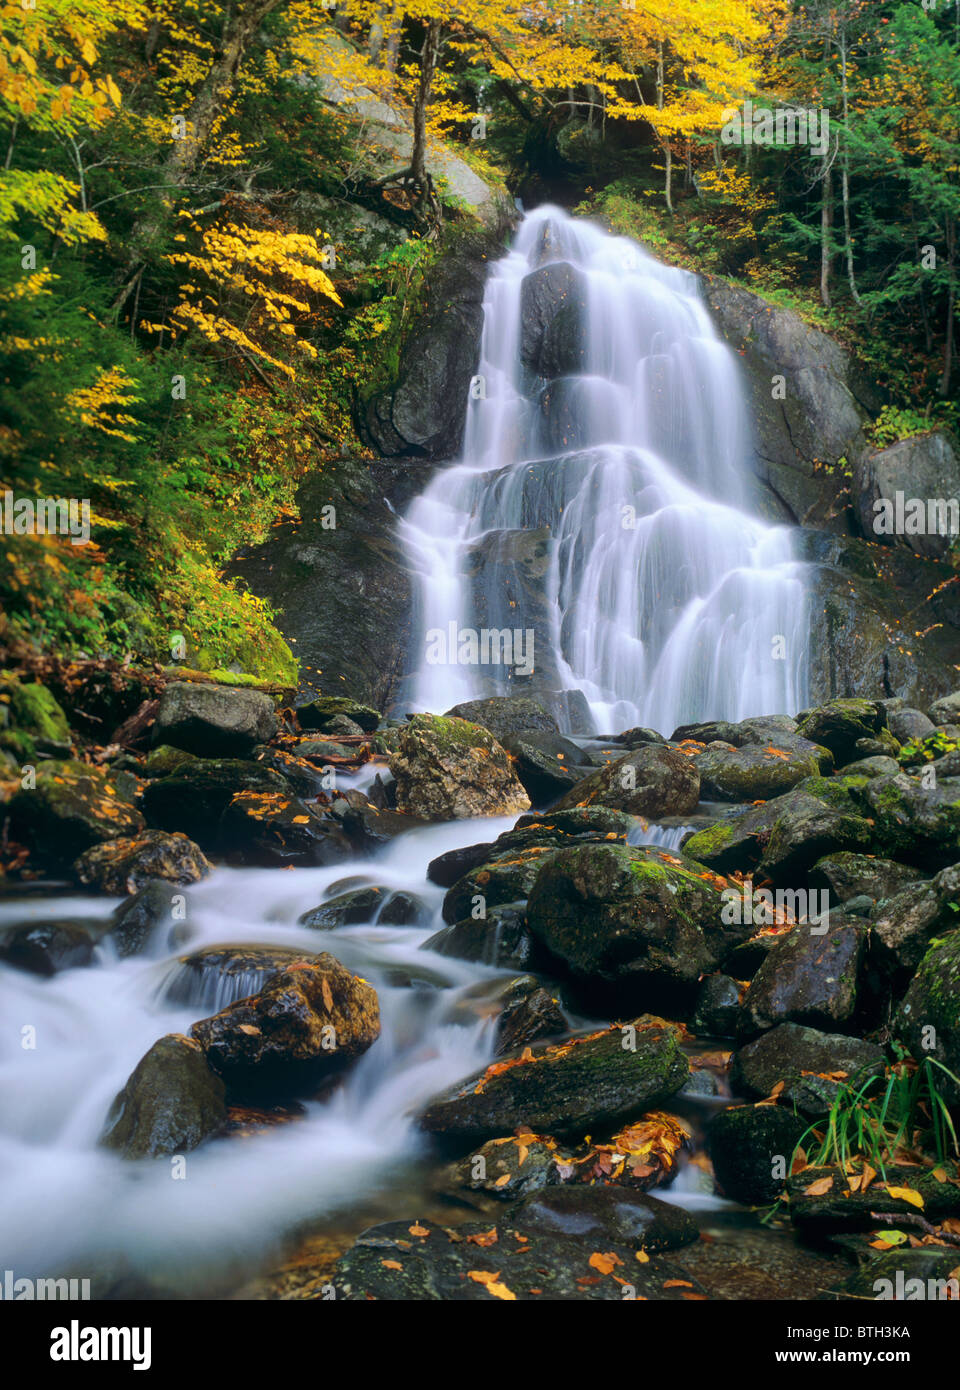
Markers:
<point>906,1194</point>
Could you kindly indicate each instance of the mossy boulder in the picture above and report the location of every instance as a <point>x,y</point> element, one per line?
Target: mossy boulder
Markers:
<point>914,819</point>
<point>274,829</point>
<point>811,1064</point>
<point>547,765</point>
<point>838,1208</point>
<point>321,713</point>
<point>448,769</point>
<point>590,1081</point>
<point>194,797</point>
<point>782,838</point>
<point>754,772</point>
<point>165,759</point>
<point>214,720</point>
<point>632,922</point>
<point>127,865</point>
<point>171,1103</point>
<point>502,715</point>
<point>499,938</point>
<point>651,781</point>
<point>33,721</point>
<point>305,1025</point>
<point>928,1020</point>
<point>809,978</point>
<point>846,875</point>
<point>750,1147</point>
<point>838,725</point>
<point>903,926</point>
<point>72,807</point>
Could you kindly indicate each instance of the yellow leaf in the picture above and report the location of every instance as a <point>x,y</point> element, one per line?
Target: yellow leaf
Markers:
<point>906,1194</point>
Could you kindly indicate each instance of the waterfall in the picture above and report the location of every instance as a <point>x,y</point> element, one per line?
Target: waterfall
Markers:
<point>602,505</point>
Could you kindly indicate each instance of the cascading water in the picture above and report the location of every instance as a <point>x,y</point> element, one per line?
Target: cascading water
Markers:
<point>602,502</point>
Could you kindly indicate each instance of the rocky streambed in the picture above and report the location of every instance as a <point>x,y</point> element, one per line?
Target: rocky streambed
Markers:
<point>315,1004</point>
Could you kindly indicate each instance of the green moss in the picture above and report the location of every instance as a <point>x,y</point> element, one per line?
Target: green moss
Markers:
<point>705,844</point>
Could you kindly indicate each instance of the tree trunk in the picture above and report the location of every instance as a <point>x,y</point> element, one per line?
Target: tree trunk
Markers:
<point>665,143</point>
<point>845,177</point>
<point>826,228</point>
<point>951,307</point>
<point>429,57</point>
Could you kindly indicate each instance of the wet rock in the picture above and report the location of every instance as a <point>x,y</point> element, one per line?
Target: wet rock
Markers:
<point>649,781</point>
<point>527,1018</point>
<point>807,978</point>
<point>194,797</point>
<point>922,821</point>
<point>839,1208</point>
<point>904,925</point>
<point>447,868</point>
<point>506,879</point>
<point>845,876</point>
<point>511,1168</point>
<point>125,866</point>
<point>840,723</point>
<point>503,715</point>
<point>812,1065</point>
<point>46,948</point>
<point>906,724</point>
<point>217,976</point>
<point>553,307</point>
<point>448,768</point>
<point>636,738</point>
<point>306,779</point>
<point>900,1275</point>
<point>320,714</point>
<point>561,1088</point>
<point>71,808</point>
<point>501,939</point>
<point>368,904</point>
<point>636,922</point>
<point>749,1146</point>
<point>879,766</point>
<point>946,710</point>
<point>717,1010</point>
<point>273,829</point>
<point>924,466</point>
<point>367,826</point>
<point>930,1011</point>
<point>754,772</point>
<point>306,1024</point>
<point>214,720</point>
<point>171,1103</point>
<point>156,905</point>
<point>781,838</point>
<point>547,765</point>
<point>164,759</point>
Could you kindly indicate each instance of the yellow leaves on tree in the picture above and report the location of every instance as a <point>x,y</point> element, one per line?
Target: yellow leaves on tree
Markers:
<point>104,405</point>
<point>253,289</point>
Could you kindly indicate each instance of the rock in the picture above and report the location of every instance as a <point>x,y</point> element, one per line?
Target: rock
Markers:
<point>880,766</point>
<point>649,781</point>
<point>805,1060</point>
<point>547,765</point>
<point>840,723</point>
<point>171,1103</point>
<point>553,309</point>
<point>135,920</point>
<point>717,1010</point>
<point>559,1232</point>
<point>930,1011</point>
<point>527,1018</point>
<point>125,866</point>
<point>46,948</point>
<point>637,923</point>
<point>164,759</point>
<point>214,720</point>
<point>217,976</point>
<point>447,868</point>
<point>910,818</point>
<point>71,808</point>
<point>194,797</point>
<point>320,715</point>
<point>840,1209</point>
<point>802,831</point>
<point>274,829</point>
<point>304,777</point>
<point>305,1025</point>
<point>556,1088</point>
<point>923,467</point>
<point>500,939</point>
<point>807,978</point>
<point>902,1274</point>
<point>370,904</point>
<point>502,715</point>
<point>33,722</point>
<point>449,769</point>
<point>906,724</point>
<point>946,710</point>
<point>904,924</point>
<point>505,878</point>
<point>636,738</point>
<point>423,415</point>
<point>754,772</point>
<point>847,876</point>
<point>512,1167</point>
<point>748,1145</point>
<point>366,826</point>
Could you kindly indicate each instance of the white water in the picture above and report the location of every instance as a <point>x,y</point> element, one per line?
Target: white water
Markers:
<point>676,615</point>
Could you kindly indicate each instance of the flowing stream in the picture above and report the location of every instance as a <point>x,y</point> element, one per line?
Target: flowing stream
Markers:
<point>661,598</point>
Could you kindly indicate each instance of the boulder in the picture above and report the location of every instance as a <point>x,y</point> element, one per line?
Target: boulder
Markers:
<point>171,1103</point>
<point>450,866</point>
<point>924,468</point>
<point>528,1016</point>
<point>749,1145</point>
<point>194,797</point>
<point>500,939</point>
<point>212,720</point>
<point>155,905</point>
<point>916,821</point>
<point>717,1010</point>
<point>754,772</point>
<point>553,308</point>
<point>837,1208</point>
<point>570,1087</point>
<point>902,1273</point>
<point>547,765</point>
<point>217,976</point>
<point>32,723</point>
<point>321,715</point>
<point>638,924</point>
<point>449,769</point>
<point>928,1020</point>
<point>650,781</point>
<point>126,866</point>
<point>906,724</point>
<point>808,978</point>
<point>274,829</point>
<point>812,1065</point>
<point>71,808</point>
<point>904,924</point>
<point>845,876</point>
<point>839,724</point>
<point>370,904</point>
<point>46,948</point>
<point>305,1025</point>
<point>502,715</point>
<point>946,710</point>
